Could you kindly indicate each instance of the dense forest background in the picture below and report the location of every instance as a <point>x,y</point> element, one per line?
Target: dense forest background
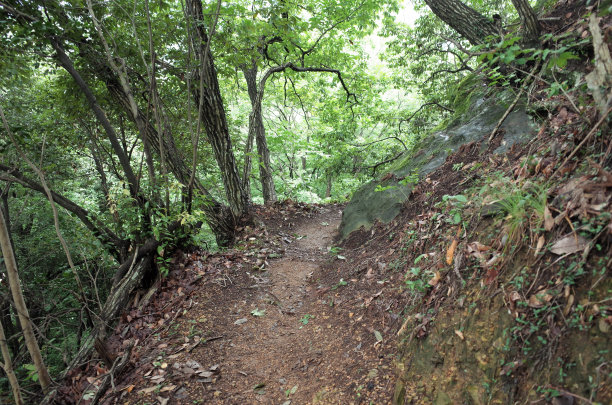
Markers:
<point>132,128</point>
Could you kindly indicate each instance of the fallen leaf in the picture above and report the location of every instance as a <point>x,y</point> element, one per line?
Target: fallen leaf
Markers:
<point>491,275</point>
<point>404,326</point>
<point>240,321</point>
<point>450,253</point>
<point>148,390</point>
<point>205,374</point>
<point>370,273</point>
<point>378,336</point>
<point>541,241</point>
<point>604,324</point>
<point>569,244</point>
<point>540,299</point>
<point>549,222</point>
<point>435,279</point>
<point>258,312</point>
<point>460,334</point>
<point>515,296</point>
<point>568,306</point>
<point>167,388</point>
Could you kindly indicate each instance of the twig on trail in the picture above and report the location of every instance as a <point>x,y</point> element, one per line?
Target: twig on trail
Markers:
<point>514,103</point>
<point>203,340</point>
<point>586,138</point>
<point>457,266</point>
<point>561,390</point>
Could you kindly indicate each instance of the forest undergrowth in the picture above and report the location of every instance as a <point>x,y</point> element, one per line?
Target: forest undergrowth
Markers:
<point>491,286</point>
<point>293,316</point>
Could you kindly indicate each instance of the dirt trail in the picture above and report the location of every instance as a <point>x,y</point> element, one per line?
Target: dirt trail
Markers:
<point>278,320</point>
<point>278,348</point>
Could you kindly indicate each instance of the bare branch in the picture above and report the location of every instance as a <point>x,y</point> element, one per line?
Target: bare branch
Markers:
<point>363,145</point>
<point>290,65</point>
<point>407,120</point>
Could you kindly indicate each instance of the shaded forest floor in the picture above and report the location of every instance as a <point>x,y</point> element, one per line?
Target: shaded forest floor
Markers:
<point>291,316</point>
<point>282,318</point>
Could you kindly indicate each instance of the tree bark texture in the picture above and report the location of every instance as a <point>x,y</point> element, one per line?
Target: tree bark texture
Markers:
<point>258,131</point>
<point>213,114</point>
<point>248,164</point>
<point>529,21</point>
<point>468,22</point>
<point>22,309</point>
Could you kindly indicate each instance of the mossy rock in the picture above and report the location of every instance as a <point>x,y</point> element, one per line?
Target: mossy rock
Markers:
<point>383,200</point>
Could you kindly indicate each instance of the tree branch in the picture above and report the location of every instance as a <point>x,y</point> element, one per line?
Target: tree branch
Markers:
<point>378,140</point>
<point>292,66</point>
<point>407,120</point>
<point>104,234</point>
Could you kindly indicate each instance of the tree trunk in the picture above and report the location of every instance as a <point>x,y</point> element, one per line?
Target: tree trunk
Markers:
<point>257,130</point>
<point>7,366</point>
<point>220,219</point>
<point>7,314</point>
<point>468,22</point>
<point>529,21</point>
<point>67,64</point>
<point>20,305</point>
<point>213,114</point>
<point>246,170</point>
<point>329,186</point>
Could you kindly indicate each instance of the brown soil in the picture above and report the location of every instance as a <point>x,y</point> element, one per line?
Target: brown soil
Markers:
<point>317,340</point>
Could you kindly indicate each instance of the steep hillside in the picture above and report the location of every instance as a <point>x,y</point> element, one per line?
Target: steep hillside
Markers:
<point>476,271</point>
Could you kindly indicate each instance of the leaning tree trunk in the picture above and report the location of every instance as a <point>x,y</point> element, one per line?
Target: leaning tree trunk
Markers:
<point>7,366</point>
<point>468,22</point>
<point>529,21</point>
<point>212,114</point>
<point>257,130</point>
<point>22,309</point>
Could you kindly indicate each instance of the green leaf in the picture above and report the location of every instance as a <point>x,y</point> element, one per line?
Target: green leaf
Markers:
<point>378,336</point>
<point>258,312</point>
<point>456,218</point>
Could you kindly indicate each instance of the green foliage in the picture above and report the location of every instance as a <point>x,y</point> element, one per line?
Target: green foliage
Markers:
<point>521,205</point>
<point>456,203</point>
<point>305,319</point>
<point>415,280</point>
